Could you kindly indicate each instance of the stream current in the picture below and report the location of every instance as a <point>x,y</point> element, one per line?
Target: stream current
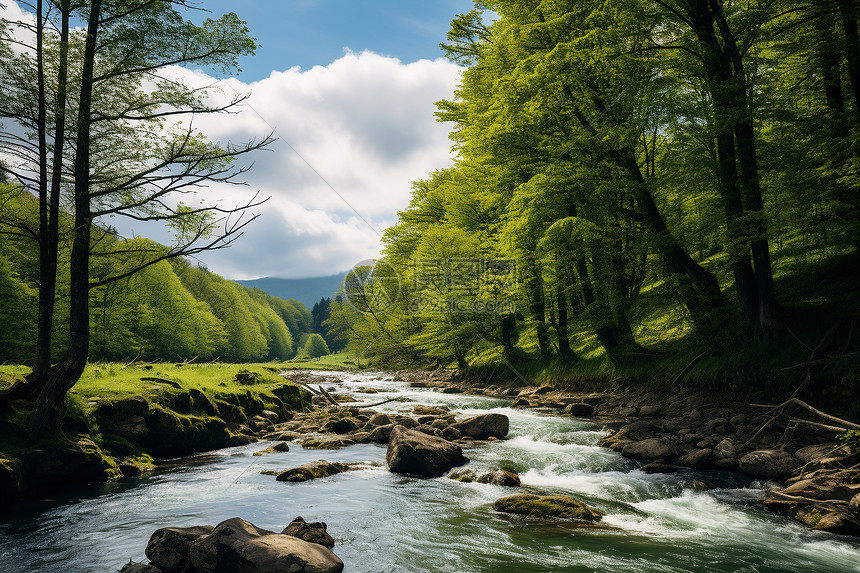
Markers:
<point>382,522</point>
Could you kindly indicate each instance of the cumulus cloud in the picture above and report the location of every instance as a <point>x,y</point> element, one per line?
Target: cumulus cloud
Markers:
<point>364,123</point>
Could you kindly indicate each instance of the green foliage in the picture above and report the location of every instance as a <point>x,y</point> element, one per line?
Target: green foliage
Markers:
<point>316,346</point>
<point>639,171</point>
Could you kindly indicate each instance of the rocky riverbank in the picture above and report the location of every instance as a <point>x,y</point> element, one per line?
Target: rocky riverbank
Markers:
<point>812,477</point>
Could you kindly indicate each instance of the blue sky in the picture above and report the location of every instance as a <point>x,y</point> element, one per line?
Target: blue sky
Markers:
<point>349,88</point>
<point>315,32</point>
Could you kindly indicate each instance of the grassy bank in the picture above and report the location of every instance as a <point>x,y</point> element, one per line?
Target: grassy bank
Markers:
<point>121,416</point>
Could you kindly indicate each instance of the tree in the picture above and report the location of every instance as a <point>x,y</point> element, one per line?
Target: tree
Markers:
<point>127,163</point>
<point>315,346</point>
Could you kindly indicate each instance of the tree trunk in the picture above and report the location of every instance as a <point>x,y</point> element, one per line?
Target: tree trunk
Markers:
<point>49,234</point>
<point>848,11</point>
<point>44,322</point>
<point>46,416</point>
<point>564,349</point>
<point>727,93</point>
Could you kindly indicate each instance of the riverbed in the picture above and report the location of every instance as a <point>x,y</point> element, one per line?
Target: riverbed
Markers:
<point>383,522</point>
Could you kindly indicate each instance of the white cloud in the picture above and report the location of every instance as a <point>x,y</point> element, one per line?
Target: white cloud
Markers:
<point>365,123</point>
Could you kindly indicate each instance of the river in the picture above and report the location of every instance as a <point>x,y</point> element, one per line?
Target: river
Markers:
<point>383,522</point>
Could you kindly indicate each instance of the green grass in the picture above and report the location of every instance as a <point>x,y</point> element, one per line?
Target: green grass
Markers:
<point>338,361</point>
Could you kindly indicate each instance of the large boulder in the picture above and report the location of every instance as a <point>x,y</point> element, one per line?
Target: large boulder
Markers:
<point>695,459</point>
<point>579,409</point>
<point>652,449</point>
<point>168,547</point>
<point>63,463</point>
<point>725,456</point>
<point>416,453</point>
<point>314,532</point>
<point>774,464</point>
<point>312,470</point>
<point>237,546</point>
<point>632,432</point>
<point>125,417</point>
<point>172,434</point>
<point>484,426</point>
<point>558,506</point>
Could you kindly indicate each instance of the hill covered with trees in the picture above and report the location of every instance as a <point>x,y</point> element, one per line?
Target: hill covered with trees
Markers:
<point>171,310</point>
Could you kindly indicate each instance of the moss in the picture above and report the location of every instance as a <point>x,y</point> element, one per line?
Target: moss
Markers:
<point>11,478</point>
<point>557,506</point>
<point>172,434</point>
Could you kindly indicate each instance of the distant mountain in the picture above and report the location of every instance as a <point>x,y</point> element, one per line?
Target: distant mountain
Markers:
<point>307,291</point>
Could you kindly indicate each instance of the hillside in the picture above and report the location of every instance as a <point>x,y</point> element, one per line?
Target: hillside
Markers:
<point>308,291</point>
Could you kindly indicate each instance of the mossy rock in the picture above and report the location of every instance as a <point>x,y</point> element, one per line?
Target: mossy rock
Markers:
<point>291,395</point>
<point>231,413</point>
<point>172,434</point>
<point>325,444</point>
<point>182,403</point>
<point>11,479</point>
<point>547,506</point>
<point>200,402</point>
<point>65,463</point>
<point>313,470</point>
<point>248,378</point>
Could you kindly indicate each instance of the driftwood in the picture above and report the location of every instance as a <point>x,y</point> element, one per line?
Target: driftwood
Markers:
<point>161,381</point>
<point>187,361</point>
<point>817,426</point>
<point>396,399</point>
<point>328,396</point>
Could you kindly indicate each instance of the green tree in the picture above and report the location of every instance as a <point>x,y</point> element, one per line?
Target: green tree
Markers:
<point>315,346</point>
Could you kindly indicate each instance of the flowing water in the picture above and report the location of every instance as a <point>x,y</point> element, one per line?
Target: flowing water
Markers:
<point>383,522</point>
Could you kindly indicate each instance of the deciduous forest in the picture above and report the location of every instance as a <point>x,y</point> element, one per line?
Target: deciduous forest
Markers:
<point>676,181</point>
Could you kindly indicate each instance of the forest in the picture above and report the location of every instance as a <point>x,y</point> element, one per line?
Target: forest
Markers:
<point>173,310</point>
<point>675,182</point>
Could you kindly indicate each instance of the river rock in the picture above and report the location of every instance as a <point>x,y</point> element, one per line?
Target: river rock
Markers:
<point>379,420</point>
<point>342,426</point>
<point>632,432</point>
<point>695,459</point>
<point>132,567</point>
<point>652,448</point>
<point>312,470</point>
<point>649,411</point>
<point>168,547</point>
<point>64,463</point>
<point>411,452</point>
<point>279,447</point>
<point>558,506</point>
<point>451,390</point>
<point>172,434</point>
<point>774,464</point>
<point>422,410</point>
<point>237,546</point>
<point>629,412</point>
<point>826,455</point>
<point>579,409</point>
<point>314,532</point>
<point>451,434</point>
<point>484,426</point>
<point>521,403</point>
<point>500,477</point>
<point>724,455</point>
<point>125,417</point>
